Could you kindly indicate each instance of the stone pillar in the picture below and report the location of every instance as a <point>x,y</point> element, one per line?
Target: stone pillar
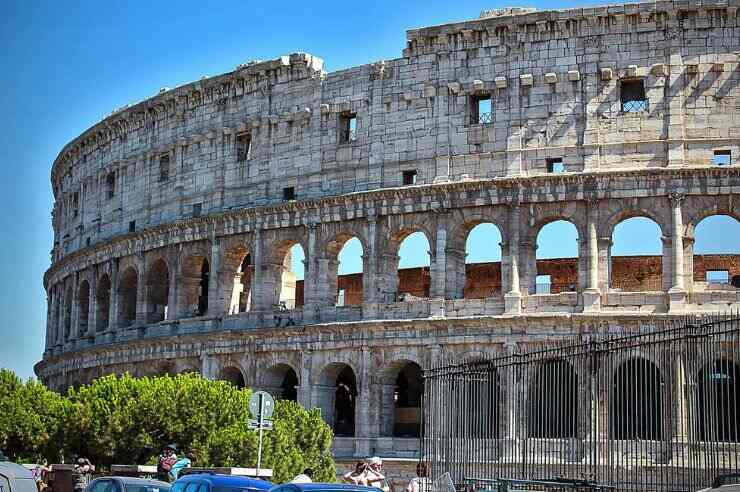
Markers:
<point>438,264</point>
<point>605,263</point>
<point>142,289</point>
<point>49,319</point>
<point>92,304</point>
<point>369,280</point>
<point>677,292</point>
<point>592,296</point>
<point>688,261</point>
<point>173,288</point>
<point>217,304</point>
<point>456,273</point>
<point>303,391</point>
<point>61,294</point>
<point>362,410</point>
<point>113,313</point>
<point>315,275</point>
<point>258,296</point>
<point>513,296</point>
<point>74,325</point>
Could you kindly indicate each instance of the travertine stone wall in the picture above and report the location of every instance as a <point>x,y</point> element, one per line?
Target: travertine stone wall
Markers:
<point>170,239</point>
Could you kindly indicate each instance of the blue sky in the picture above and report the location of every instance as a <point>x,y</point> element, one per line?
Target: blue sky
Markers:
<point>67,64</point>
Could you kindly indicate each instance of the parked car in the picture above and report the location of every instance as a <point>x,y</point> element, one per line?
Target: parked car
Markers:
<point>729,482</point>
<point>322,487</point>
<point>15,478</point>
<point>214,482</point>
<point>126,484</point>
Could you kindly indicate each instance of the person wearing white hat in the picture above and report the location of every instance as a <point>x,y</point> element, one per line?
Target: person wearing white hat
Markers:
<point>375,477</point>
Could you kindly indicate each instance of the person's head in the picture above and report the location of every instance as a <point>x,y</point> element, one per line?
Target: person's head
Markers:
<point>81,461</point>
<point>192,456</point>
<point>422,469</point>
<point>360,467</point>
<point>376,463</point>
<point>169,449</point>
<point>308,472</point>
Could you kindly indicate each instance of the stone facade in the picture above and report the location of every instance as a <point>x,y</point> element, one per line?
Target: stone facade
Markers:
<point>174,216</point>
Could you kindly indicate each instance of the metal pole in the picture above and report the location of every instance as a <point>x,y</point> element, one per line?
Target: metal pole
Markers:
<point>260,419</point>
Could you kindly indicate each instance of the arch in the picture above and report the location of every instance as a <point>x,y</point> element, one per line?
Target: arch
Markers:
<point>102,303</point>
<point>339,397</point>
<point>636,255</point>
<point>408,390</point>
<point>715,248</point>
<point>552,400</point>
<point>239,275</point>
<point>556,257</point>
<point>483,273</point>
<point>413,270</point>
<point>127,294</point>
<point>281,380</point>
<point>158,291</point>
<point>196,271</point>
<point>233,375</point>
<point>68,313</point>
<point>346,263</point>
<point>718,402</point>
<point>292,277</point>
<point>83,307</point>
<point>636,401</point>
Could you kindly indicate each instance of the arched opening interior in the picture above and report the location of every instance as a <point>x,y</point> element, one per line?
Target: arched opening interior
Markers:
<point>205,274</point>
<point>718,402</point>
<point>553,401</point>
<point>635,410</point>
<point>237,274</point>
<point>83,306</point>
<point>232,375</point>
<point>407,395</point>
<point>68,313</point>
<point>281,381</point>
<point>244,283</point>
<point>102,303</point>
<point>636,256</point>
<point>350,273</point>
<point>291,278</point>
<point>338,398</point>
<point>196,273</point>
<point>414,277</point>
<point>127,289</point>
<point>716,251</point>
<point>557,258</point>
<point>476,402</point>
<point>158,291</point>
<point>483,262</point>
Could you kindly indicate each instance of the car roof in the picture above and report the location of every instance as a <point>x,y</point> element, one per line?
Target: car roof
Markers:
<point>12,470</point>
<point>333,486</point>
<point>227,480</point>
<point>135,481</point>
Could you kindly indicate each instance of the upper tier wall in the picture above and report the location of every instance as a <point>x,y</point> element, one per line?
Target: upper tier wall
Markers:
<point>555,83</point>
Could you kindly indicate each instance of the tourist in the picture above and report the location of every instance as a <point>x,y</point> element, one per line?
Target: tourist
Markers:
<point>167,458</point>
<point>304,477</point>
<point>83,471</point>
<point>184,462</point>
<point>358,476</point>
<point>375,477</point>
<point>421,482</point>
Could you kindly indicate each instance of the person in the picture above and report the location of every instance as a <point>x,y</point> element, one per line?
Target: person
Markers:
<point>40,475</point>
<point>184,462</point>
<point>358,476</point>
<point>421,482</point>
<point>304,477</point>
<point>83,470</point>
<point>167,458</point>
<point>375,477</point>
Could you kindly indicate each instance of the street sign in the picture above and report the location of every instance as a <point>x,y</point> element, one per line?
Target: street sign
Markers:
<point>255,424</point>
<point>261,405</point>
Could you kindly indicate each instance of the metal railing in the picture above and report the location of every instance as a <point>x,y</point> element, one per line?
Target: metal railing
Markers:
<point>658,410</point>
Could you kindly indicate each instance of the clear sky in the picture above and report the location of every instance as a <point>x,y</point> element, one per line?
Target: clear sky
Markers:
<point>64,65</point>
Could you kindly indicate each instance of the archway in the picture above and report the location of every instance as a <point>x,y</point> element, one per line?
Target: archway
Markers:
<point>349,274</point>
<point>338,398</point>
<point>291,278</point>
<point>102,303</point>
<point>245,274</point>
<point>127,290</point>
<point>83,307</point>
<point>414,260</point>
<point>407,397</point>
<point>282,382</point>
<point>158,291</point>
<point>636,408</point>
<point>196,272</point>
<point>636,256</point>
<point>718,402</point>
<point>68,313</point>
<point>232,375</point>
<point>557,258</point>
<point>475,407</point>
<point>715,251</point>
<point>483,262</point>
<point>552,401</point>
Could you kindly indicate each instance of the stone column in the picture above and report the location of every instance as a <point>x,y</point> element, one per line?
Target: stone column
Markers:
<point>142,297</point>
<point>49,319</point>
<point>175,277</point>
<point>258,296</point>
<point>605,263</point>
<point>592,296</point>
<point>92,304</point>
<point>315,275</point>
<point>362,411</point>
<point>688,262</point>
<point>438,265</point>
<point>113,313</point>
<point>677,292</point>
<point>74,325</point>
<point>303,391</point>
<point>513,296</point>
<point>369,287</point>
<point>61,294</point>
<point>456,273</point>
<point>217,305</point>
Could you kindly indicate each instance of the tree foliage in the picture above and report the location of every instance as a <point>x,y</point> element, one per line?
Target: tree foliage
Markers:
<point>128,420</point>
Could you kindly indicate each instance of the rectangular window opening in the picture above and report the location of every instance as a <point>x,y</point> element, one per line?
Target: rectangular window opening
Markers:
<point>197,209</point>
<point>633,96</point>
<point>722,158</point>
<point>164,168</point>
<point>409,177</point>
<point>347,128</point>
<point>289,193</point>
<point>543,284</point>
<point>718,276</point>
<point>555,165</point>
<point>110,185</point>
<point>132,226</point>
<point>481,109</point>
<point>243,146</point>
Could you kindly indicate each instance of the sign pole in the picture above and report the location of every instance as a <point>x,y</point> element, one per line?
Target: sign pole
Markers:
<point>260,419</point>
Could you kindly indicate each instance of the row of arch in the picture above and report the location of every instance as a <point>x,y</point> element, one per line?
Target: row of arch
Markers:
<point>170,289</point>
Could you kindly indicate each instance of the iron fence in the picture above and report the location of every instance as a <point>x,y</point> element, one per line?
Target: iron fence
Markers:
<point>651,411</point>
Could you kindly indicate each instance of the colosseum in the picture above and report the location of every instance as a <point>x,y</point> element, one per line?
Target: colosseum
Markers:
<point>176,219</point>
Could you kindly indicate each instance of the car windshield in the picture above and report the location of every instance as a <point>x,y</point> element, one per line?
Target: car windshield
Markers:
<point>222,488</point>
<point>147,488</point>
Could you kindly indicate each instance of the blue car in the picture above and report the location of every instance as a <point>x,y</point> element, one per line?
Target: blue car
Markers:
<point>322,487</point>
<point>213,482</point>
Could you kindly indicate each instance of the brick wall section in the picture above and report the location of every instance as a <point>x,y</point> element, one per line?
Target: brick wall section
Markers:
<point>630,273</point>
